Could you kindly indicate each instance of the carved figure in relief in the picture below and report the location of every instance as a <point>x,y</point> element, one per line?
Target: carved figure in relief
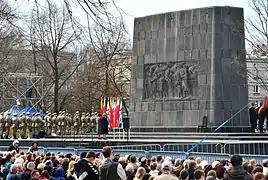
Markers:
<point>170,80</point>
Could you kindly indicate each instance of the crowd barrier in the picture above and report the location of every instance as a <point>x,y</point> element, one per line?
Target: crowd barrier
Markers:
<point>210,157</point>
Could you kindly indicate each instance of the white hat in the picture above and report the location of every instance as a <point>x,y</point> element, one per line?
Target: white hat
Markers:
<point>166,165</point>
<point>215,163</point>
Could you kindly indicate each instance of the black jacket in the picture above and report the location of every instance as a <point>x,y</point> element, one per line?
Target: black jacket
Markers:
<point>253,114</point>
<point>11,148</point>
<point>237,173</point>
<point>86,170</point>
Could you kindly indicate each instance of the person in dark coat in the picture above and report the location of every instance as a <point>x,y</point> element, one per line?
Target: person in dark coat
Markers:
<point>14,146</point>
<point>253,116</point>
<point>104,126</point>
<point>237,172</point>
<point>86,169</point>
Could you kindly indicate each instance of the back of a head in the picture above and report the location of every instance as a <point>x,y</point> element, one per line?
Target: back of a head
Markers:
<point>236,160</point>
<point>257,169</point>
<point>133,159</point>
<point>258,176</point>
<point>198,174</point>
<point>106,151</point>
<point>184,175</point>
<point>159,158</point>
<point>140,172</point>
<point>212,173</point>
<point>90,155</point>
<point>153,166</point>
<point>31,166</point>
<point>192,164</point>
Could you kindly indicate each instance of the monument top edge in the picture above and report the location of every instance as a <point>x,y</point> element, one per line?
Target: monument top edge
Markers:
<point>208,7</point>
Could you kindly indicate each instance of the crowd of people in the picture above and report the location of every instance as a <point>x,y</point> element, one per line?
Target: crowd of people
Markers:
<point>34,165</point>
<point>26,125</point>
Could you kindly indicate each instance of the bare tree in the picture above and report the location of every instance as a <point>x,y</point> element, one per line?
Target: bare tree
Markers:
<point>52,39</point>
<point>107,71</point>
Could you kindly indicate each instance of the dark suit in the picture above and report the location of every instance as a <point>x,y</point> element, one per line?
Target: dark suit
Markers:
<point>253,116</point>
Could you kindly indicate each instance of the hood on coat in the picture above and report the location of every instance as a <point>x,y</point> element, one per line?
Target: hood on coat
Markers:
<point>59,172</point>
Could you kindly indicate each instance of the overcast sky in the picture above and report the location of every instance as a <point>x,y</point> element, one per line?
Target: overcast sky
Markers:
<point>138,8</point>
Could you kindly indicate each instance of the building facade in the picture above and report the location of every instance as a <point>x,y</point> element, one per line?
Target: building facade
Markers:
<point>257,78</point>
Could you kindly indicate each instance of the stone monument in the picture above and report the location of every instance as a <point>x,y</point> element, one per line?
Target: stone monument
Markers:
<point>188,64</point>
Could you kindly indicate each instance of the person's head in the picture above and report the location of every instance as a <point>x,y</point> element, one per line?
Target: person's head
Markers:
<point>236,160</point>
<point>34,144</point>
<point>159,159</point>
<point>184,175</point>
<point>212,173</point>
<point>199,175</point>
<point>192,164</point>
<point>31,166</point>
<point>198,160</point>
<point>106,151</point>
<point>252,104</point>
<point>153,159</point>
<point>35,174</point>
<point>83,155</point>
<point>14,168</point>
<point>153,166</point>
<point>259,176</point>
<point>20,169</point>
<point>207,168</point>
<point>257,169</point>
<point>247,167</point>
<point>140,173</point>
<point>45,174</point>
<point>166,167</point>
<point>143,160</point>
<point>90,156</point>
<point>130,169</point>
<point>252,163</point>
<point>15,143</point>
<point>133,159</point>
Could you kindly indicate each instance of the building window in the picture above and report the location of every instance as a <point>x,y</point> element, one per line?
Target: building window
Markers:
<point>256,89</point>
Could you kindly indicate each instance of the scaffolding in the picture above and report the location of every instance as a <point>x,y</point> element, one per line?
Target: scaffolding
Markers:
<point>25,87</point>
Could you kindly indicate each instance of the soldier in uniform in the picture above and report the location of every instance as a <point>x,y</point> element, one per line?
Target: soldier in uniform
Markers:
<point>69,123</point>
<point>93,121</point>
<point>49,124</point>
<point>22,126</point>
<point>28,126</point>
<point>39,124</point>
<point>9,133</point>
<point>88,124</point>
<point>63,123</point>
<point>84,123</point>
<point>77,123</point>
<point>59,121</point>
<point>2,125</point>
<point>14,126</point>
<point>54,123</point>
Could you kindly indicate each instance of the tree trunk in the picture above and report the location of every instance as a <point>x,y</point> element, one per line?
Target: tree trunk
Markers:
<point>56,95</point>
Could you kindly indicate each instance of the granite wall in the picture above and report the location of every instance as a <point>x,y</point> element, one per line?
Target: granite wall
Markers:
<point>189,64</point>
